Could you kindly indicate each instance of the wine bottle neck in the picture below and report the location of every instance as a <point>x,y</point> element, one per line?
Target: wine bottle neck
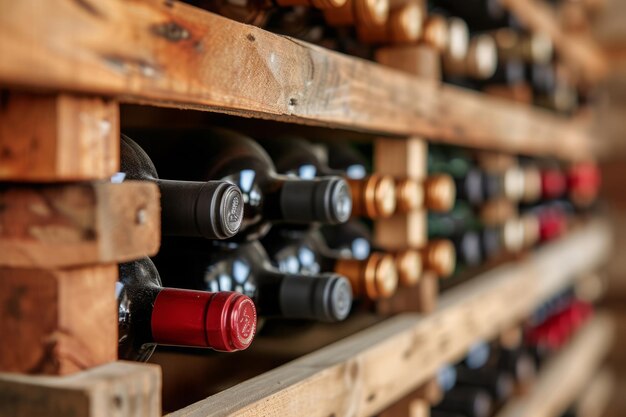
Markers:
<point>292,200</point>
<point>323,298</point>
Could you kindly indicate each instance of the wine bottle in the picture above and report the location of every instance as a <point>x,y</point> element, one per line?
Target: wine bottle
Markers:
<point>479,14</point>
<point>218,154</point>
<point>150,315</point>
<point>373,277</point>
<point>497,382</point>
<point>436,192</point>
<point>518,362</point>
<point>212,209</point>
<point>257,12</point>
<point>353,239</point>
<point>468,401</point>
<point>247,269</point>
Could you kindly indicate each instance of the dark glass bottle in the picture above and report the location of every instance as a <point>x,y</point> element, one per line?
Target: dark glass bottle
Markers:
<point>467,401</point>
<point>372,277</point>
<point>211,209</point>
<point>150,315</point>
<point>268,197</point>
<point>497,382</point>
<point>479,14</point>
<point>257,12</point>
<point>247,269</point>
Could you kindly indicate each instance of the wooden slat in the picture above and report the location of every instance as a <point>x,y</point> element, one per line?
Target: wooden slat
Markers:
<point>564,378</point>
<point>595,398</point>
<point>579,50</point>
<point>119,389</point>
<point>58,137</point>
<point>368,371</point>
<point>78,224</point>
<point>168,53</point>
<point>57,321</point>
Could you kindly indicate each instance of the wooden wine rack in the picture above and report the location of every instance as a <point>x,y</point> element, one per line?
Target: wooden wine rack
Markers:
<point>67,65</point>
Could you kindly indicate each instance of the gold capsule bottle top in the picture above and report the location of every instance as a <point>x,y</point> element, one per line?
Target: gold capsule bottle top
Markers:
<point>406,23</point>
<point>513,235</point>
<point>319,4</point>
<point>409,266</point>
<point>531,227</point>
<point>409,195</point>
<point>439,256</point>
<point>513,183</point>
<point>373,196</point>
<point>439,192</point>
<point>482,57</point>
<point>371,13</point>
<point>532,184</point>
<point>458,39</point>
<point>375,277</point>
<point>436,32</point>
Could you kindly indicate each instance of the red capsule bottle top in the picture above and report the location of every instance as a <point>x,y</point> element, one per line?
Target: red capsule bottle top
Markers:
<point>553,183</point>
<point>230,321</point>
<point>223,321</point>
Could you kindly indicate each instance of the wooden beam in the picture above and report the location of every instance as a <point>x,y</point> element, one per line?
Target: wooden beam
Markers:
<point>595,398</point>
<point>366,372</point>
<point>172,54</point>
<point>78,224</point>
<point>120,389</point>
<point>57,321</point>
<point>570,372</point>
<point>57,137</point>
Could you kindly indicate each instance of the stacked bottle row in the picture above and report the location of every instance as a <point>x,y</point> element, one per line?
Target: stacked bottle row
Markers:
<point>493,373</point>
<point>508,206</point>
<point>260,228</point>
<point>481,45</point>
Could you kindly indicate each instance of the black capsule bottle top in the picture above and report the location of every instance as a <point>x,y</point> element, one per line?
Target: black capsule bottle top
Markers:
<point>213,209</point>
<point>326,297</point>
<point>326,199</point>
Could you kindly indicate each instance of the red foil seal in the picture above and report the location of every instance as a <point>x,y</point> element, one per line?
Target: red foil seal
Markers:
<point>553,183</point>
<point>223,321</point>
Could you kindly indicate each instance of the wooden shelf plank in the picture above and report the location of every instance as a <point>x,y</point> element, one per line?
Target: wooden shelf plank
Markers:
<point>565,377</point>
<point>579,50</point>
<point>595,398</point>
<point>366,372</point>
<point>172,54</point>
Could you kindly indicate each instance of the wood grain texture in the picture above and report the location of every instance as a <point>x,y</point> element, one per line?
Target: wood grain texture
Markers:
<point>119,389</point>
<point>595,398</point>
<point>366,372</point>
<point>578,50</point>
<point>168,53</point>
<point>57,137</point>
<point>78,224</point>
<point>57,321</point>
<point>570,371</point>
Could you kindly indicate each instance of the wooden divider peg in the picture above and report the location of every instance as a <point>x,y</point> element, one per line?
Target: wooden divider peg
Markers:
<point>67,225</point>
<point>406,158</point>
<point>57,137</point>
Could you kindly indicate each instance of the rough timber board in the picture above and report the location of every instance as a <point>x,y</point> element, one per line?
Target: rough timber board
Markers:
<point>57,322</point>
<point>370,370</point>
<point>565,377</point>
<point>168,53</point>
<point>61,225</point>
<point>119,389</point>
<point>57,137</point>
